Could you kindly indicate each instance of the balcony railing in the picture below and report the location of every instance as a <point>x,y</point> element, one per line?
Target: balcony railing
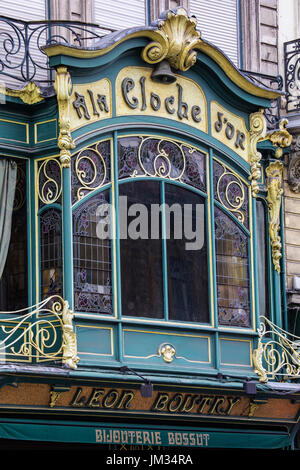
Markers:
<point>292,75</point>
<point>271,114</point>
<point>278,353</point>
<point>22,58</point>
<point>42,333</point>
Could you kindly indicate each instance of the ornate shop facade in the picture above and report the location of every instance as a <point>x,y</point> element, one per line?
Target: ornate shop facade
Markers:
<point>122,340</point>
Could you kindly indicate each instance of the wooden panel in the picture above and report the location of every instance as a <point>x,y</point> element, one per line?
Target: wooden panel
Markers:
<point>188,349</point>
<point>94,343</point>
<point>236,352</point>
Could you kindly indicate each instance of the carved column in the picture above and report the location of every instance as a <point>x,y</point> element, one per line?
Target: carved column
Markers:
<point>63,87</point>
<point>274,197</point>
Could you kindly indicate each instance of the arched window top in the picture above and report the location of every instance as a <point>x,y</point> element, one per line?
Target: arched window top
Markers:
<point>163,158</point>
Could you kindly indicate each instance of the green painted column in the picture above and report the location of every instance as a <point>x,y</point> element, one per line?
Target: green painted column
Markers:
<point>67,238</point>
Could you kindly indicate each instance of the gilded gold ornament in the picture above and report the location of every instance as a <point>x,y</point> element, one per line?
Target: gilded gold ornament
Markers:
<point>176,41</point>
<point>257,132</point>
<point>30,94</point>
<point>274,196</point>
<point>63,88</point>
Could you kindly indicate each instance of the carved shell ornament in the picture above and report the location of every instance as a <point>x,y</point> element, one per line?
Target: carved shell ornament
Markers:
<point>176,38</point>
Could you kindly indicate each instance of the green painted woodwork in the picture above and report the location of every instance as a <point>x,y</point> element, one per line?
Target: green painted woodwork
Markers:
<point>235,352</point>
<point>95,343</point>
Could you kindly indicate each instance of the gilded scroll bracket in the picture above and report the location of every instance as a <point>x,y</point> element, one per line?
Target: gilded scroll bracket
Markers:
<point>63,88</point>
<point>274,197</point>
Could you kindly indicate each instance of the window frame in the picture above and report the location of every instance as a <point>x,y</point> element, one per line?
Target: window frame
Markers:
<point>210,154</point>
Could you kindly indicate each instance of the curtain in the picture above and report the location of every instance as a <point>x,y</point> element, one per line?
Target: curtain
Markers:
<point>8,177</point>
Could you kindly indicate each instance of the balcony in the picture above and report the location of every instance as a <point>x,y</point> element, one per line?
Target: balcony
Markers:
<point>22,58</point>
<point>292,75</point>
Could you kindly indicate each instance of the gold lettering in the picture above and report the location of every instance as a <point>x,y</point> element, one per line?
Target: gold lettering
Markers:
<point>176,402</point>
<point>189,403</point>
<point>125,400</point>
<point>113,395</point>
<point>77,401</point>
<point>205,401</point>
<point>232,403</point>
<point>160,402</point>
<point>94,398</point>
<point>216,403</point>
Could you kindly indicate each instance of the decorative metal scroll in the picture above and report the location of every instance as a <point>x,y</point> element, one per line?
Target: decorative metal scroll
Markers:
<point>161,158</point>
<point>272,114</point>
<point>231,192</point>
<point>49,181</point>
<point>43,331</point>
<point>292,74</point>
<point>277,353</point>
<point>21,45</point>
<point>90,169</point>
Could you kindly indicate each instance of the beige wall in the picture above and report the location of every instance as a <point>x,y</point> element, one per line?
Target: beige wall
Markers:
<point>291,205</point>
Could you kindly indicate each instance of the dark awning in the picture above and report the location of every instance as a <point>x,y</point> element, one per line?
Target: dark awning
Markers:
<point>93,433</point>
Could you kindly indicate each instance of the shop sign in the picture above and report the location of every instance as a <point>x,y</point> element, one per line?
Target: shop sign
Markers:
<point>183,100</point>
<point>116,400</point>
<point>136,94</point>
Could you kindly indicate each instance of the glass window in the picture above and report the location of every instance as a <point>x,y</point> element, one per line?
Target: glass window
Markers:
<point>261,256</point>
<point>14,280</point>
<point>92,256</point>
<point>141,255</point>
<point>232,272</point>
<point>51,252</point>
<point>187,256</point>
<point>145,259</point>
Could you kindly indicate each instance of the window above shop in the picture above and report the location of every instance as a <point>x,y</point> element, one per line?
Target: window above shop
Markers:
<point>167,227</point>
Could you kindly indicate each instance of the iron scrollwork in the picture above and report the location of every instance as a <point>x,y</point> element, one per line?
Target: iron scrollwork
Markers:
<point>22,42</point>
<point>231,192</point>
<point>277,353</point>
<point>90,169</point>
<point>49,181</point>
<point>162,158</point>
<point>292,73</point>
<point>46,330</point>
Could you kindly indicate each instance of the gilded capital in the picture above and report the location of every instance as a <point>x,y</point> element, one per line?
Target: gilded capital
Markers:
<point>174,40</point>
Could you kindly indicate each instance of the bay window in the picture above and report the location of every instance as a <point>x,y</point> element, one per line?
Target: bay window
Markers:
<point>179,225</point>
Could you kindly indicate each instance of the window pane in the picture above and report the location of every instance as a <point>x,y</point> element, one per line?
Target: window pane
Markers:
<point>186,255</point>
<point>92,256</point>
<point>14,280</point>
<point>141,255</point>
<point>51,253</point>
<point>232,272</point>
<point>262,268</point>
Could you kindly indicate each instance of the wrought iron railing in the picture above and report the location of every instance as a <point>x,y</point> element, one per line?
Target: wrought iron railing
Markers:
<point>277,354</point>
<point>271,114</point>
<point>21,45</point>
<point>39,334</point>
<point>292,74</point>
